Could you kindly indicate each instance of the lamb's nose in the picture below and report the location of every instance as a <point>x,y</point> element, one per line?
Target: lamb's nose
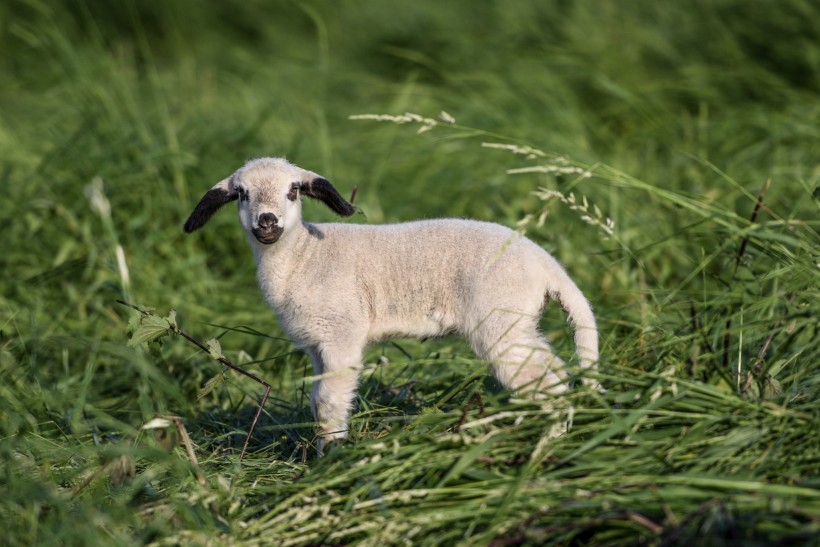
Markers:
<point>267,221</point>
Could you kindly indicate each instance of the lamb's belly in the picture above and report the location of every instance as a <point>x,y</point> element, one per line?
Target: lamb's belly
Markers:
<point>415,326</point>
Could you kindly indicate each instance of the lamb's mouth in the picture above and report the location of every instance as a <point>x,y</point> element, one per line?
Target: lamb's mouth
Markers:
<point>268,236</point>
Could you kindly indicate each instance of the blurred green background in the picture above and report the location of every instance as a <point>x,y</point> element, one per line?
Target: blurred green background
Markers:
<point>115,117</point>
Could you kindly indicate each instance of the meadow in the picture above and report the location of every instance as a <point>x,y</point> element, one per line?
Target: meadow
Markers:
<point>667,153</point>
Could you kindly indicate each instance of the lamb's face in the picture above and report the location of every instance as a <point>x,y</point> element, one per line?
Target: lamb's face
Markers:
<point>268,193</point>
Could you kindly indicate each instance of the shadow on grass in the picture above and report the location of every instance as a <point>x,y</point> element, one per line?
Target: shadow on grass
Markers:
<point>286,429</point>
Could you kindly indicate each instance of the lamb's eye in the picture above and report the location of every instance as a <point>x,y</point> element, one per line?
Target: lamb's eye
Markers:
<point>243,194</point>
<point>293,193</point>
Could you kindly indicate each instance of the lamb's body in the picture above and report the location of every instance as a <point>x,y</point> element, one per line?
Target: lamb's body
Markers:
<point>337,287</point>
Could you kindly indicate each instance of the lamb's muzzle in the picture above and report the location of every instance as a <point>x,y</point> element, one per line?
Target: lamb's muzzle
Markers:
<point>267,231</point>
<point>338,287</point>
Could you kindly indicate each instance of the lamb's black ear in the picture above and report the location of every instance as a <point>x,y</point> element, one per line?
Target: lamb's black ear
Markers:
<point>210,203</point>
<point>321,189</point>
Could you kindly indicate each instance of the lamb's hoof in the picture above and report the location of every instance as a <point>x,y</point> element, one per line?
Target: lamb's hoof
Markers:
<point>324,445</point>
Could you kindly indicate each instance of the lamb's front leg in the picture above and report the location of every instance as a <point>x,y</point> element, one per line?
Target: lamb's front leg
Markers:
<point>331,401</point>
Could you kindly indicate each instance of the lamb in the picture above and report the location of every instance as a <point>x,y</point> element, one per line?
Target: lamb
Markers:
<point>338,287</point>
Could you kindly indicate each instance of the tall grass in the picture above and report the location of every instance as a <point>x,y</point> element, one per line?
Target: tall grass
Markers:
<point>695,236</point>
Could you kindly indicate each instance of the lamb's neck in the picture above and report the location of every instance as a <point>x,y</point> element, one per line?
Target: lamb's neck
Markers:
<point>276,262</point>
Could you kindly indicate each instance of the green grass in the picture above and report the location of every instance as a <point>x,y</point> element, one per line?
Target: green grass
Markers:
<point>698,124</point>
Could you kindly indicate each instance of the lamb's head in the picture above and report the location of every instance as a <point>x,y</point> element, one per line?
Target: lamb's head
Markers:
<point>269,192</point>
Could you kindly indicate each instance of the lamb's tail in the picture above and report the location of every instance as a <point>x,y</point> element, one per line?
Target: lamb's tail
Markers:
<point>572,300</point>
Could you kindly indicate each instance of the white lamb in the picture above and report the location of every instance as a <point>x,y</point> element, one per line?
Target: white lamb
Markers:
<point>338,287</point>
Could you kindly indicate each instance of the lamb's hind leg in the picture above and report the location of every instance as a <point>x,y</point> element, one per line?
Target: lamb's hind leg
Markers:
<point>524,362</point>
<point>332,397</point>
<point>521,358</point>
